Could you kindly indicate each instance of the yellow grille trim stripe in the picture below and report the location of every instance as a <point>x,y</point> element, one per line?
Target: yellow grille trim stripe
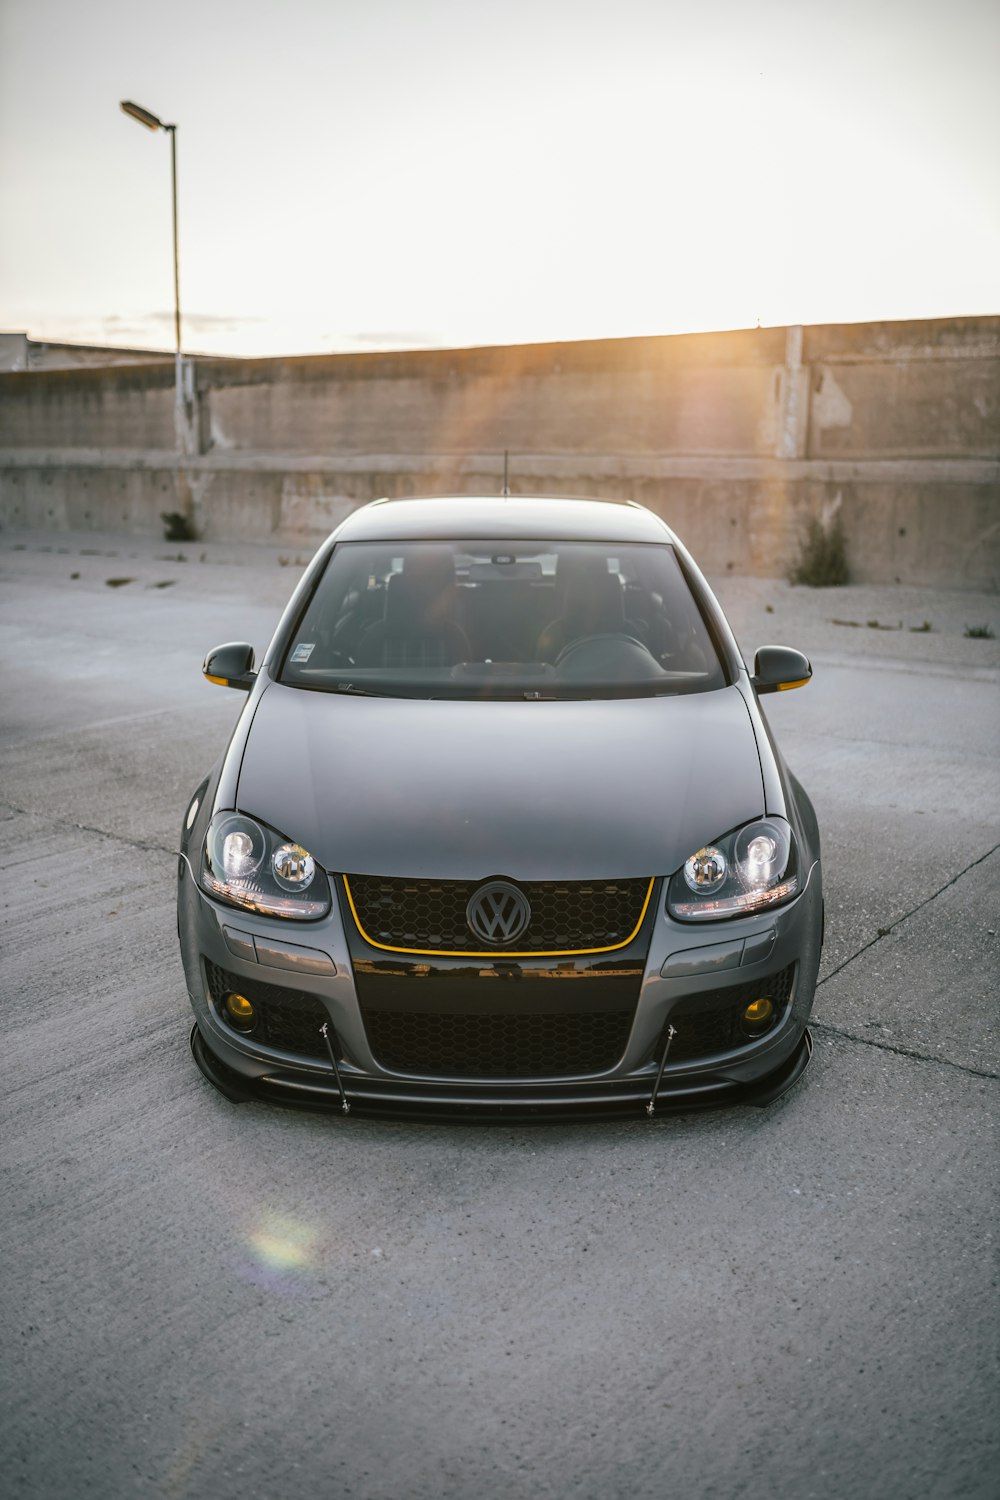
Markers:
<point>499,952</point>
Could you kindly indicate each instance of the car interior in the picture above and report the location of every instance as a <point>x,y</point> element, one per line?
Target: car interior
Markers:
<point>488,613</point>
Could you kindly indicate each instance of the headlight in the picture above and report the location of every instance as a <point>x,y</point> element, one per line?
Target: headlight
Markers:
<point>250,865</point>
<point>747,870</point>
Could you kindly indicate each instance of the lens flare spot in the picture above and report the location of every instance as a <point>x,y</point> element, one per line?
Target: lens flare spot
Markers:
<point>284,1245</point>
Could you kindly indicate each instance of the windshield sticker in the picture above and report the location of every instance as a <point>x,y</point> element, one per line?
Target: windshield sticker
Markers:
<point>303,652</point>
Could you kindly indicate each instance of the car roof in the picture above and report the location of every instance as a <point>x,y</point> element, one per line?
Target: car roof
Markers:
<point>517,517</point>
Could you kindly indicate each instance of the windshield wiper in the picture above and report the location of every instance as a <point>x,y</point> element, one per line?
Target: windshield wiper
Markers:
<point>360,692</point>
<point>653,689</point>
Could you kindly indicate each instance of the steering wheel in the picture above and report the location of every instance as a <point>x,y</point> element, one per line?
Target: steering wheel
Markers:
<point>615,657</point>
<point>579,646</point>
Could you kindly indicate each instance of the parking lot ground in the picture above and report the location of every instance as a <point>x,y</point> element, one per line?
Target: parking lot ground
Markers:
<point>207,1299</point>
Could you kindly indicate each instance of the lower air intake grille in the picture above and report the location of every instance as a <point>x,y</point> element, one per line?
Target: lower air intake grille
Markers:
<point>497,1046</point>
<point>429,915</point>
<point>710,1022</point>
<point>286,1019</point>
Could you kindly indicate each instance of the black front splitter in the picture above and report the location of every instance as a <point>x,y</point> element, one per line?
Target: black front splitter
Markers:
<point>373,1097</point>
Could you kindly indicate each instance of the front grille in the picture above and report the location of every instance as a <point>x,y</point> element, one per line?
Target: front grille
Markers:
<point>287,1019</point>
<point>429,915</point>
<point>710,1022</point>
<point>497,1046</point>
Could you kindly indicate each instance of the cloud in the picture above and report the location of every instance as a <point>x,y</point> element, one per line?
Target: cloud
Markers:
<point>195,322</point>
<point>218,322</point>
<point>389,338</point>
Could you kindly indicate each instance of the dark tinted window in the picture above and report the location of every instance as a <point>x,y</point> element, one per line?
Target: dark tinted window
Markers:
<point>502,620</point>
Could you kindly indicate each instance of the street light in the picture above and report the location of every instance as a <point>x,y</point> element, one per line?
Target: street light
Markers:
<point>153,122</point>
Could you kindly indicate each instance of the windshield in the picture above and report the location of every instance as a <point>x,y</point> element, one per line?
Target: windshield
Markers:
<point>531,620</point>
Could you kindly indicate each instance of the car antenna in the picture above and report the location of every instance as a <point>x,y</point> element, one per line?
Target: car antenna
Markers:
<point>506,486</point>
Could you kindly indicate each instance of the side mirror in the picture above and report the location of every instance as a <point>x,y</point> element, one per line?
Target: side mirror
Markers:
<point>231,666</point>
<point>778,668</point>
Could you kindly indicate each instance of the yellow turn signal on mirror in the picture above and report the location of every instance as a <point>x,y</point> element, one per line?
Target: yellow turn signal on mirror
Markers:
<point>783,687</point>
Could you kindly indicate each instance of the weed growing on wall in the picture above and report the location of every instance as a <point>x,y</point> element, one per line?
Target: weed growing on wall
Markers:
<point>177,527</point>
<point>822,560</point>
<point>979,633</point>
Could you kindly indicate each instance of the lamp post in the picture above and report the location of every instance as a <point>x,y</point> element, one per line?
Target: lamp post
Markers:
<point>153,122</point>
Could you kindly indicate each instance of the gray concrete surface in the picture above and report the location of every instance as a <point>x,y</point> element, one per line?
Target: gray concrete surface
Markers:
<point>201,1299</point>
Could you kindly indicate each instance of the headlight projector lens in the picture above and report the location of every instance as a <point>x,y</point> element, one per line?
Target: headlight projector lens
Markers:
<point>706,870</point>
<point>293,867</point>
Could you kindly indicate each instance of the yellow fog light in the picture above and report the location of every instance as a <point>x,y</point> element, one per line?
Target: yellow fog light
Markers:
<point>758,1015</point>
<point>241,1012</point>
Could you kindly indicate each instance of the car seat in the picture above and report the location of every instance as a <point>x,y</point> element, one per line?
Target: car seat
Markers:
<point>593,604</point>
<point>418,628</point>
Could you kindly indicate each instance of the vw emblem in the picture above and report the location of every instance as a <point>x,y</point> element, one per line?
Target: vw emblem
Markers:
<point>498,912</point>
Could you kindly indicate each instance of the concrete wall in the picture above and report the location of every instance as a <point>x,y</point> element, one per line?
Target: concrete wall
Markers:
<point>735,438</point>
<point>18,352</point>
<point>58,411</point>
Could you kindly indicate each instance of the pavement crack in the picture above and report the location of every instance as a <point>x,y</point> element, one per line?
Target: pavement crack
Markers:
<point>119,838</point>
<point>884,932</point>
<point>171,710</point>
<point>866,1041</point>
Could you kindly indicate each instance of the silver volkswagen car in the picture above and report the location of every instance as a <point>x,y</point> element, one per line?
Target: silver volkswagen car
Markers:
<point>502,828</point>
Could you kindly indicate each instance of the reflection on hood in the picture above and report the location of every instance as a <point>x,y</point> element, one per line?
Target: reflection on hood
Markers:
<point>535,791</point>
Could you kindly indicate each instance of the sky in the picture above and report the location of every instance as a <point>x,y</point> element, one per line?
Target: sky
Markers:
<point>364,174</point>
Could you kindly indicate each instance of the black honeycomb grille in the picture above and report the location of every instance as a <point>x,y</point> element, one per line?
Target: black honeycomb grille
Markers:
<point>287,1019</point>
<point>566,916</point>
<point>710,1022</point>
<point>497,1046</point>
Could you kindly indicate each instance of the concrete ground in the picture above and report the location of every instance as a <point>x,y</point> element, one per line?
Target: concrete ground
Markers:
<point>241,1301</point>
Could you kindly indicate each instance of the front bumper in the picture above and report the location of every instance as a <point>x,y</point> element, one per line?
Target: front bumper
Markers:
<point>486,1101</point>
<point>680,964</point>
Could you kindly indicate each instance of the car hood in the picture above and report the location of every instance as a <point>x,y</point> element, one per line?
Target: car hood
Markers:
<point>531,790</point>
